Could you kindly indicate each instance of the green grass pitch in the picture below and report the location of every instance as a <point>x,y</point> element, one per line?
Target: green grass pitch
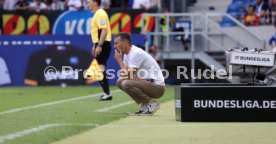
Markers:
<point>72,117</point>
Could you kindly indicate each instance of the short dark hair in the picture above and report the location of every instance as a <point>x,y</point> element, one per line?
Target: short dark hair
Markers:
<point>124,37</point>
<point>98,2</point>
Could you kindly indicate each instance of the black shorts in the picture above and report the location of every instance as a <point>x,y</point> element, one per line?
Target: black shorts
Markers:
<point>103,57</point>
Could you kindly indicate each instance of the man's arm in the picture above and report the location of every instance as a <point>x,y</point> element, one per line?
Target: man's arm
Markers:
<point>103,35</point>
<point>119,58</point>
<point>128,73</point>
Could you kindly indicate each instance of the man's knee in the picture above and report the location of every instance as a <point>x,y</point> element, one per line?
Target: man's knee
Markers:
<point>126,84</point>
<point>119,82</point>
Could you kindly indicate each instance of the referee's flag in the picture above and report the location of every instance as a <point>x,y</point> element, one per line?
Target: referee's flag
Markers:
<point>94,72</point>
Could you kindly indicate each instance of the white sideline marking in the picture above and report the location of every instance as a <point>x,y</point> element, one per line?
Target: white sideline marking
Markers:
<point>38,129</point>
<point>53,103</point>
<point>115,106</point>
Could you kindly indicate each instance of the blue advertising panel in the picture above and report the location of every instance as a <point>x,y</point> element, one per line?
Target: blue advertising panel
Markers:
<point>17,51</point>
<point>73,23</point>
<point>70,22</point>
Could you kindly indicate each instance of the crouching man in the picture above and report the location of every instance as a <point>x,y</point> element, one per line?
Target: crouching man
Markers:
<point>141,77</point>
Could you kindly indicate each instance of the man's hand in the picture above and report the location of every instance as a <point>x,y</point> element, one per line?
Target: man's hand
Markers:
<point>119,58</point>
<point>118,55</point>
<point>97,51</point>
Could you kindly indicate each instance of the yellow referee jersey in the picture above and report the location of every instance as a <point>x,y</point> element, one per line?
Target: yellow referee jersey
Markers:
<point>100,20</point>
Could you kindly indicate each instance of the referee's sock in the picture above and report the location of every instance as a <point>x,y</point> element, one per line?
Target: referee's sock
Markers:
<point>105,85</point>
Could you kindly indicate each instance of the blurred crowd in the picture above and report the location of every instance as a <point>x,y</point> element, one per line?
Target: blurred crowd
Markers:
<point>261,12</point>
<point>38,5</point>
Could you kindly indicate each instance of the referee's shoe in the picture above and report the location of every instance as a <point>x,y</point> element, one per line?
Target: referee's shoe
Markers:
<point>105,97</point>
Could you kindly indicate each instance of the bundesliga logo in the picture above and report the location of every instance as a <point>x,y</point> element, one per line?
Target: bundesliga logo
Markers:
<point>255,59</point>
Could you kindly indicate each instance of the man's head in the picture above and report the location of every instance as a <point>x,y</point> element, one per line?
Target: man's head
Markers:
<point>93,4</point>
<point>251,9</point>
<point>122,42</point>
<point>153,49</point>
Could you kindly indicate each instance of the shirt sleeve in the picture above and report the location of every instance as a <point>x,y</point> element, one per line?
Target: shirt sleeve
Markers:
<point>102,21</point>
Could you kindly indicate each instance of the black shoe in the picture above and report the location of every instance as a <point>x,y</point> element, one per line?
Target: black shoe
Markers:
<point>105,98</point>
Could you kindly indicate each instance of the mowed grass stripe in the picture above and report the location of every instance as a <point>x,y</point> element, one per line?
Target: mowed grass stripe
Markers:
<point>38,129</point>
<point>115,106</point>
<point>11,98</point>
<point>54,102</point>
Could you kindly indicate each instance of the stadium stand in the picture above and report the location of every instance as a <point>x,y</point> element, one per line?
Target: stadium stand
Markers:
<point>217,35</point>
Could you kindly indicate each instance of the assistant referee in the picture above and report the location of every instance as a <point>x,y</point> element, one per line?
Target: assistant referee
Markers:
<point>101,37</point>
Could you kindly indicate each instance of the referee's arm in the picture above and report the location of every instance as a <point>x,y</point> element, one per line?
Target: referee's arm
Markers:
<point>102,36</point>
